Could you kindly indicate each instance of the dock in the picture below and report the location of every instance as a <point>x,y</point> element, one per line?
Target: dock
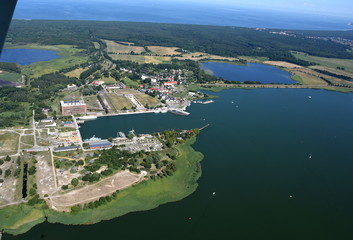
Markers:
<point>206,126</point>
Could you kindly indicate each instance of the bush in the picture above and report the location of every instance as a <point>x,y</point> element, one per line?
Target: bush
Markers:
<point>64,187</point>
<point>74,182</point>
<point>32,192</point>
<point>32,170</point>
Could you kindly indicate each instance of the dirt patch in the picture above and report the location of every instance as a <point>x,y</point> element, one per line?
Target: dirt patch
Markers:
<point>93,192</point>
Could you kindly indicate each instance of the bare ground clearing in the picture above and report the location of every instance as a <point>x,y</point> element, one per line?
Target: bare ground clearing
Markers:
<point>106,187</point>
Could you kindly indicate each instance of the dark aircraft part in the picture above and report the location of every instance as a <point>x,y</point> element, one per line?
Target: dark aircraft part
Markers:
<point>7,8</point>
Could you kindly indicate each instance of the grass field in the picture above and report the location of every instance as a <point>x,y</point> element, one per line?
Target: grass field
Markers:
<point>120,48</point>
<point>11,77</point>
<point>129,83</point>
<point>120,102</point>
<point>307,77</point>
<point>347,64</point>
<point>70,56</point>
<point>19,219</point>
<point>8,143</point>
<point>27,142</point>
<point>163,50</point>
<point>141,59</point>
<point>92,102</point>
<point>75,73</point>
<point>333,70</point>
<point>145,99</point>
<point>108,80</point>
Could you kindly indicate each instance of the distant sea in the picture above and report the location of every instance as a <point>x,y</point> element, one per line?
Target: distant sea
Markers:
<point>171,12</point>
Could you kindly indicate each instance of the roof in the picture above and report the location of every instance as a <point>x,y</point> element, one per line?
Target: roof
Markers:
<point>72,103</point>
<point>65,148</point>
<point>100,144</point>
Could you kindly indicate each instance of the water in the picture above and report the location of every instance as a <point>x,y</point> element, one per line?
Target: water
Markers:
<point>251,72</point>
<point>27,56</point>
<point>257,154</point>
<point>177,12</point>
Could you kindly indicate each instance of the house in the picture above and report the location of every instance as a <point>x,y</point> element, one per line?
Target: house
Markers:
<point>171,83</point>
<point>73,107</point>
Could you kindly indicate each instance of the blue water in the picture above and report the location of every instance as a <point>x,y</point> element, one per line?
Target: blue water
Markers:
<point>251,72</point>
<point>27,56</point>
<point>180,12</point>
<point>256,156</point>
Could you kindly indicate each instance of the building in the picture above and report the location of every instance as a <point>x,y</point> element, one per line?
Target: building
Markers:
<point>99,144</point>
<point>65,149</point>
<point>73,107</point>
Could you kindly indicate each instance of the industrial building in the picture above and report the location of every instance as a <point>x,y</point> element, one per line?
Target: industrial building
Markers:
<point>99,144</point>
<point>73,107</point>
<point>65,149</point>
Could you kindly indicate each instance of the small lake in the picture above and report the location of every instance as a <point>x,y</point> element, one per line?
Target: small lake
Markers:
<point>250,72</point>
<point>27,56</point>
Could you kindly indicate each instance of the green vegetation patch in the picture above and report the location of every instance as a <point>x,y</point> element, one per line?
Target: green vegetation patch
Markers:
<point>344,64</point>
<point>11,77</point>
<point>147,100</point>
<point>147,195</point>
<point>20,219</point>
<point>70,56</point>
<point>8,143</point>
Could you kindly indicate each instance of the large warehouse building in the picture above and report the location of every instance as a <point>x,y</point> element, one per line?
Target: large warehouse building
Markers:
<point>73,107</point>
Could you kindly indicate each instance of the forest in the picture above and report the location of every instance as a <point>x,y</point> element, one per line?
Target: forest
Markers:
<point>224,41</point>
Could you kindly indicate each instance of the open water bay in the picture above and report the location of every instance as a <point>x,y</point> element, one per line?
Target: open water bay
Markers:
<point>281,165</point>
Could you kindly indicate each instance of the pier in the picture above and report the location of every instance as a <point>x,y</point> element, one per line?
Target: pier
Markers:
<point>206,126</point>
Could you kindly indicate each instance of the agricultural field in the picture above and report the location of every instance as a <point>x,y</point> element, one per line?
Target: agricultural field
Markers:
<point>141,59</point>
<point>70,56</point>
<point>163,51</point>
<point>333,70</point>
<point>120,48</point>
<point>199,56</point>
<point>8,143</point>
<point>120,102</point>
<point>347,64</point>
<point>147,100</point>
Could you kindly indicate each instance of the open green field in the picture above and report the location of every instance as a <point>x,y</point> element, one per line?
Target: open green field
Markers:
<point>159,50</point>
<point>129,83</point>
<point>141,59</point>
<point>347,64</point>
<point>146,99</point>
<point>92,102</point>
<point>141,197</point>
<point>11,77</point>
<point>70,56</point>
<point>75,73</point>
<point>27,142</point>
<point>8,143</point>
<point>120,48</point>
<point>120,102</point>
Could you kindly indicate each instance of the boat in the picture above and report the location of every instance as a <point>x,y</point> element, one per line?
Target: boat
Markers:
<point>179,112</point>
<point>214,193</point>
<point>208,102</point>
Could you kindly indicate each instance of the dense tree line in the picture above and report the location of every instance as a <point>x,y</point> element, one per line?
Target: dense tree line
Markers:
<point>10,67</point>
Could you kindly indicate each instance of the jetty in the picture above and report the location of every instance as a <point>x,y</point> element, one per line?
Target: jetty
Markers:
<point>206,126</point>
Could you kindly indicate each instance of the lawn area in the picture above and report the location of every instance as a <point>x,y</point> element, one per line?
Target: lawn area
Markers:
<point>8,143</point>
<point>108,81</point>
<point>347,64</point>
<point>120,102</point>
<point>146,195</point>
<point>146,99</point>
<point>70,56</point>
<point>120,48</point>
<point>11,77</point>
